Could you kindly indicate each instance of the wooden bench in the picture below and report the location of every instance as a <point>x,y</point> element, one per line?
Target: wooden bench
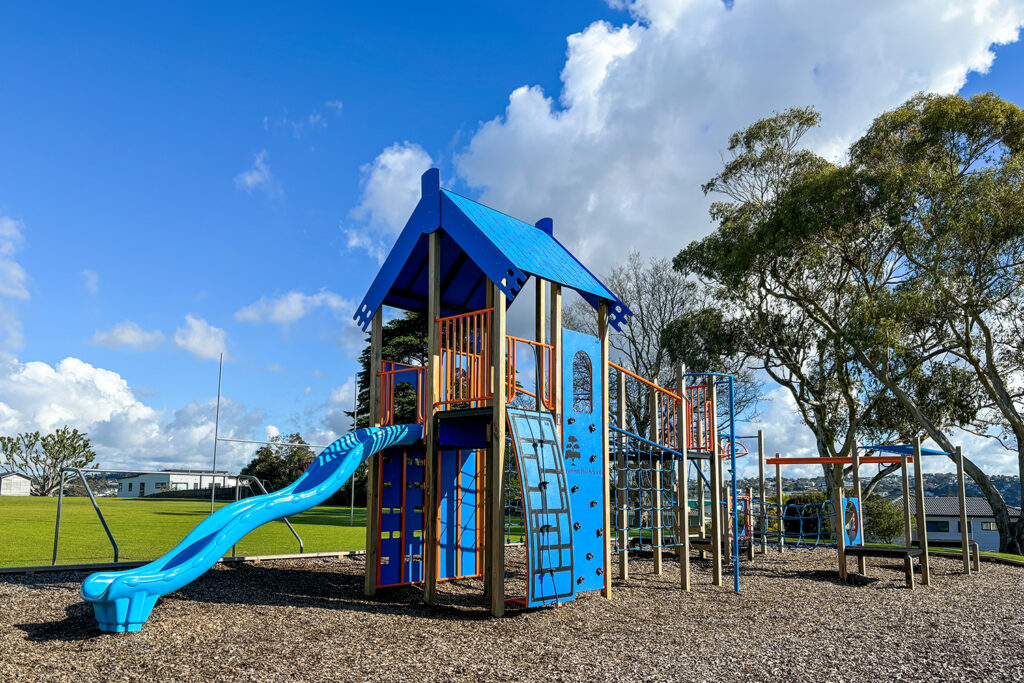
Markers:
<point>907,554</point>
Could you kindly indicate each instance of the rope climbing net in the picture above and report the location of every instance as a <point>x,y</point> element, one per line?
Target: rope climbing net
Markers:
<point>644,481</point>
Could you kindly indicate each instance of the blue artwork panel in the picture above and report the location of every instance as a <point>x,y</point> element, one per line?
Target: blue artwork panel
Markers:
<point>549,528</point>
<point>583,433</point>
<point>851,521</point>
<point>458,497</point>
<point>400,545</point>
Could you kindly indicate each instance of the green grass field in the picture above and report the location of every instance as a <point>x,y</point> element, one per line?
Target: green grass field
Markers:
<point>147,528</point>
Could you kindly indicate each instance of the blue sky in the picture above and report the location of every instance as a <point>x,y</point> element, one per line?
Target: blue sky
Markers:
<point>176,180</point>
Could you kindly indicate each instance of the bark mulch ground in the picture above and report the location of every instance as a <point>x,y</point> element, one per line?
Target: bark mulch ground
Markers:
<point>308,620</point>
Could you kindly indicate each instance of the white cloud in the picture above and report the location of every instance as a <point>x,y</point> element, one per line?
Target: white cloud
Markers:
<point>258,176</point>
<point>293,306</point>
<point>12,275</point>
<point>645,109</point>
<point>128,335</point>
<point>390,190</point>
<point>340,400</point>
<point>336,105</point>
<point>91,280</point>
<point>201,339</point>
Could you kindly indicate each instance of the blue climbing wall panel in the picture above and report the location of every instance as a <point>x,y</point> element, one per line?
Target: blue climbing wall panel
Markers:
<point>583,438</point>
<point>400,545</point>
<point>545,508</point>
<point>458,519</point>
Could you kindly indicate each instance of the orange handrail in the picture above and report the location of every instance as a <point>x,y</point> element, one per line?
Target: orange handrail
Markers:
<point>465,344</point>
<point>387,390</point>
<point>544,365</point>
<point>668,405</point>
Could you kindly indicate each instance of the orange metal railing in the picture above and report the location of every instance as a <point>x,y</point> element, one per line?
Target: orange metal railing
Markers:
<point>465,342</point>
<point>667,404</point>
<point>543,354</point>
<point>701,431</point>
<point>393,374</point>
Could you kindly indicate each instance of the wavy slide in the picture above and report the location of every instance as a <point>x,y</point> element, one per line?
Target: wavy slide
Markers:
<point>123,600</point>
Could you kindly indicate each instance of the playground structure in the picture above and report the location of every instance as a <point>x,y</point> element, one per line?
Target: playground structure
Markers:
<point>510,439</point>
<point>780,525</point>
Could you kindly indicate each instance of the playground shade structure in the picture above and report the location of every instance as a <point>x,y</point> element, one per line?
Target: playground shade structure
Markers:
<point>122,601</point>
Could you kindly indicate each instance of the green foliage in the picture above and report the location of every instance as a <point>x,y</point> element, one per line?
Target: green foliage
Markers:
<point>882,518</point>
<point>403,340</point>
<point>42,458</point>
<point>277,465</point>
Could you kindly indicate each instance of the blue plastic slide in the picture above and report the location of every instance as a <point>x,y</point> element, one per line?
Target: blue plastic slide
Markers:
<point>122,601</point>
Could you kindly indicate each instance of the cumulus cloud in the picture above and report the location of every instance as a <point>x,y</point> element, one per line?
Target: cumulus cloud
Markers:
<point>125,432</point>
<point>293,306</point>
<point>201,339</point>
<point>340,401</point>
<point>390,190</point>
<point>129,335</point>
<point>258,176</point>
<point>91,280</point>
<point>12,275</point>
<point>646,108</point>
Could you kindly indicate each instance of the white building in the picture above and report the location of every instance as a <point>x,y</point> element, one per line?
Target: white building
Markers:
<point>171,480</point>
<point>15,484</point>
<point>942,517</point>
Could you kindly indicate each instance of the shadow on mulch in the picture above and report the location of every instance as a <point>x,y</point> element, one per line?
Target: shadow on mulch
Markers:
<point>77,625</point>
<point>335,588</point>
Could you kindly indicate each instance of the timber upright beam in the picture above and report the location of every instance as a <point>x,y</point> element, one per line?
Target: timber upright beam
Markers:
<point>908,562</point>
<point>763,517</point>
<point>432,458</point>
<point>373,463</point>
<point>837,504</point>
<point>862,562</point>
<point>495,493</point>
<point>622,482</point>
<point>556,351</point>
<point>716,486</point>
<point>778,497</point>
<point>922,518</point>
<point>655,436</point>
<point>961,494</point>
<point>603,335</point>
<point>683,481</point>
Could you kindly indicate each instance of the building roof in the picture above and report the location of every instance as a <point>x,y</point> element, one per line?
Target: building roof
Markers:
<point>478,244</point>
<point>4,475</point>
<point>949,506</point>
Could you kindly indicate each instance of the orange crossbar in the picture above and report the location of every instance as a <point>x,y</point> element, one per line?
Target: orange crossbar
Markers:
<point>870,460</point>
<point>645,381</point>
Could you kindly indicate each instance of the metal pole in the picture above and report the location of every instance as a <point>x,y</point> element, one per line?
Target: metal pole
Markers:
<point>735,495</point>
<point>56,527</point>
<point>95,505</point>
<point>352,481</point>
<point>216,435</point>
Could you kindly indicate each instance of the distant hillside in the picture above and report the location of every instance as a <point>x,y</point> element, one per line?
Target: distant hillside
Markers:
<point>934,485</point>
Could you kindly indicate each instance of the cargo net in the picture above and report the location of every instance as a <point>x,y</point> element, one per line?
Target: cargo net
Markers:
<point>643,481</point>
<point>808,525</point>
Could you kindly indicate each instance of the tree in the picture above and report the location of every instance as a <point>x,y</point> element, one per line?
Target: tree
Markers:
<point>657,295</point>
<point>277,464</point>
<point>842,248</point>
<point>42,458</point>
<point>882,518</point>
<point>403,340</point>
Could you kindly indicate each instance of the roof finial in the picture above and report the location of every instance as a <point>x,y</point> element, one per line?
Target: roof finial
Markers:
<point>546,224</point>
<point>430,183</point>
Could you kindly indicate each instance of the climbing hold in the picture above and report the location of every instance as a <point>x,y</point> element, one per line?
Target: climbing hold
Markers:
<point>577,526</point>
<point>593,503</point>
<point>572,420</point>
<point>593,458</point>
<point>592,429</point>
<point>590,556</point>
<point>600,570</point>
<point>600,533</point>
<point>575,489</point>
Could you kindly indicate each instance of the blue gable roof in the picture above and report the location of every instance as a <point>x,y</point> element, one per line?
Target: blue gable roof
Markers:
<point>477,244</point>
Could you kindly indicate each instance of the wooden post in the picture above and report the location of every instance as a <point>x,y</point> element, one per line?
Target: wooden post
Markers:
<point>961,493</point>
<point>622,483</point>
<point>556,351</point>
<point>495,494</point>
<point>373,463</point>
<point>862,562</point>
<point>716,488</point>
<point>602,333</point>
<point>655,436</point>
<point>908,563</point>
<point>922,518</point>
<point>762,522</point>
<point>431,459</point>
<point>778,494</point>
<point>748,516</point>
<point>682,481</point>
<point>837,502</point>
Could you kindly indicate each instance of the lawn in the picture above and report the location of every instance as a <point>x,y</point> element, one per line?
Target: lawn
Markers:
<point>147,528</point>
